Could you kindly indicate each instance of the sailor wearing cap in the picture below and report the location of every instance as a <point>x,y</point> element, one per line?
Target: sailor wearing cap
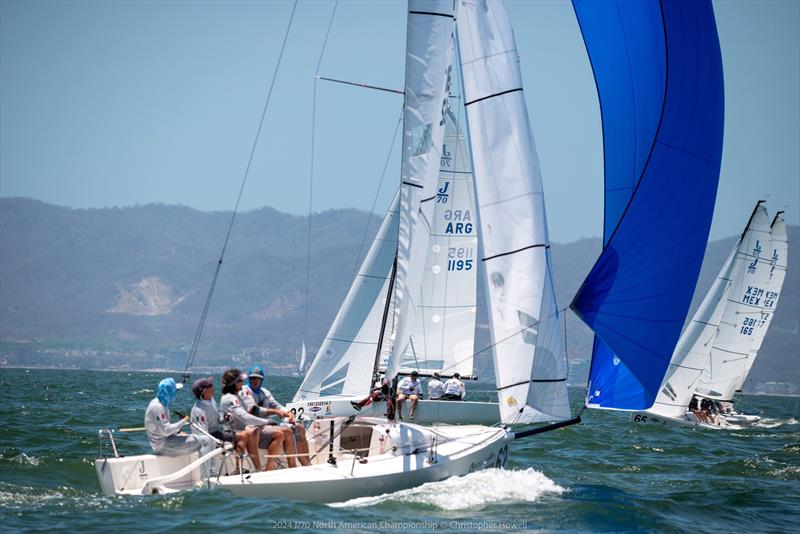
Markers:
<point>409,388</point>
<point>272,438</point>
<point>164,436</point>
<point>260,402</point>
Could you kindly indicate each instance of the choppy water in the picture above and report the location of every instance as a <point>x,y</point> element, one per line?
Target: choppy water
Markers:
<point>602,475</point>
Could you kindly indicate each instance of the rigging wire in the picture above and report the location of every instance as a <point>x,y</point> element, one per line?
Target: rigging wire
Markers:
<point>377,193</point>
<point>199,332</point>
<point>311,172</point>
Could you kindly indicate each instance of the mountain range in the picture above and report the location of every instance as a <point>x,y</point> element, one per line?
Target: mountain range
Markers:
<point>136,279</point>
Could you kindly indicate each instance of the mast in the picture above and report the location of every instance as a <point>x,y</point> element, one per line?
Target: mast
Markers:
<point>379,347</point>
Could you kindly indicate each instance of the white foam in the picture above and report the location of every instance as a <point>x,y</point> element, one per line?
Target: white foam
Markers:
<point>774,423</point>
<point>472,491</point>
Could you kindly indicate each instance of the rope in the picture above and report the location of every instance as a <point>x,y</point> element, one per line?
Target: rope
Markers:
<point>311,171</point>
<point>198,333</point>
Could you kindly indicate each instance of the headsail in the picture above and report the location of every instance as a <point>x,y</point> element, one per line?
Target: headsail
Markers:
<point>530,362</point>
<point>346,359</point>
<point>443,335</point>
<point>429,51</point>
<point>303,354</point>
<point>662,131</point>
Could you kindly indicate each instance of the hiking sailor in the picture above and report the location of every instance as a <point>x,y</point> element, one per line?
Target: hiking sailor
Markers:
<point>260,402</point>
<point>271,437</point>
<point>206,416</point>
<point>409,388</point>
<point>454,388</point>
<point>435,387</point>
<point>165,437</point>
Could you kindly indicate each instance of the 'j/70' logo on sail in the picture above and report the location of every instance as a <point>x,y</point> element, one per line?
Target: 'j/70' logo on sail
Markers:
<point>442,194</point>
<point>447,157</point>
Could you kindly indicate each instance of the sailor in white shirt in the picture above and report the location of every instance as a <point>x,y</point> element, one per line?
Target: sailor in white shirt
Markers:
<point>409,388</point>
<point>435,387</point>
<point>454,388</point>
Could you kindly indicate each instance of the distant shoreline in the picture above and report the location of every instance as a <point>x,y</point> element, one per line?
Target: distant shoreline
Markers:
<point>217,370</point>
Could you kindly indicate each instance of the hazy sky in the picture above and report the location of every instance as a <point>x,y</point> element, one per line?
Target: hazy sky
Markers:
<point>116,103</point>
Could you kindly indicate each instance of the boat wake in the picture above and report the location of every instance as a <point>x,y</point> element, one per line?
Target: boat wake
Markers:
<point>774,423</point>
<point>472,491</point>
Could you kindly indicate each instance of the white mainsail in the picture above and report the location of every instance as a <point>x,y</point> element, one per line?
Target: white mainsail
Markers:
<point>442,338</point>
<point>529,357</point>
<point>731,346</point>
<point>429,52</point>
<point>778,257</point>
<point>345,362</point>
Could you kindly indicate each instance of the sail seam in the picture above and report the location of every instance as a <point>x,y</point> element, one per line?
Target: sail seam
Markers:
<point>492,96</point>
<point>732,351</point>
<point>515,251</point>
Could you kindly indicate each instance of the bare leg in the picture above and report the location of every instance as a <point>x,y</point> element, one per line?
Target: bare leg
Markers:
<point>288,446</point>
<point>274,450</point>
<point>400,399</point>
<point>414,400</point>
<point>302,444</point>
<point>252,448</point>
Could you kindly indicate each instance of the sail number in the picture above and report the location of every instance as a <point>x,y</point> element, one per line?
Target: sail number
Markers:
<point>459,259</point>
<point>640,418</point>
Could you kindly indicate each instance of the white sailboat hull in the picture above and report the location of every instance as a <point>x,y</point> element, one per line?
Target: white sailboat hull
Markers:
<point>371,457</point>
<point>475,448</point>
<point>735,421</point>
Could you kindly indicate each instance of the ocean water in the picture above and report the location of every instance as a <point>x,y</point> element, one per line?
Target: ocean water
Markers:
<point>604,475</point>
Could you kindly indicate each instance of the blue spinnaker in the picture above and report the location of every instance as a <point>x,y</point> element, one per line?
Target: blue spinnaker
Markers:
<point>658,71</point>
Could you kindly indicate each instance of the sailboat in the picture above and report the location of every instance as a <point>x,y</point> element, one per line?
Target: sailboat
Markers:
<point>301,366</point>
<point>718,348</point>
<point>371,329</point>
<point>359,455</point>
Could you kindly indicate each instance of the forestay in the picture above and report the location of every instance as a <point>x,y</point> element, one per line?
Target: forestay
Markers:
<point>744,306</point>
<point>429,51</point>
<point>662,131</point>
<point>529,356</point>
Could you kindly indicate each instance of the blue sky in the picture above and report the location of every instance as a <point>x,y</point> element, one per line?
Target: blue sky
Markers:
<point>119,103</point>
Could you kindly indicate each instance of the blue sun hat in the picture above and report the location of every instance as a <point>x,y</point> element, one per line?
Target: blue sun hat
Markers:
<point>167,390</point>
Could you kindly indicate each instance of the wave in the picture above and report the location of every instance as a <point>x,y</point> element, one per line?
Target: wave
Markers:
<point>774,423</point>
<point>472,491</point>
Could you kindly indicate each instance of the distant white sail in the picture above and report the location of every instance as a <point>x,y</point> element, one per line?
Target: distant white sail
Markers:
<point>303,354</point>
<point>529,357</point>
<point>346,359</point>
<point>745,302</point>
<point>694,346</point>
<point>777,259</point>
<point>429,53</point>
<point>443,335</point>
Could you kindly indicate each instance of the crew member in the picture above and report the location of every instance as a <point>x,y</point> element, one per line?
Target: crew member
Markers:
<point>164,436</point>
<point>260,402</point>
